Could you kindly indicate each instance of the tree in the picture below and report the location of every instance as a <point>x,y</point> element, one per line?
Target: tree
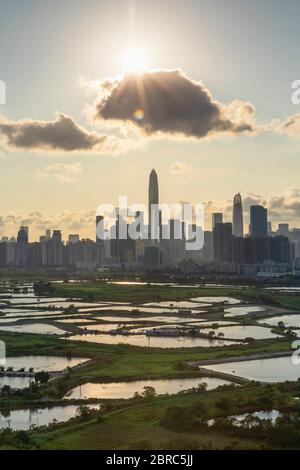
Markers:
<point>83,411</point>
<point>43,288</point>
<point>42,377</point>
<point>23,437</point>
<point>149,392</point>
<point>202,387</point>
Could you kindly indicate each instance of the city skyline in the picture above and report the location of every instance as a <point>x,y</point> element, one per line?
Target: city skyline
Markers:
<point>240,227</point>
<point>54,184</point>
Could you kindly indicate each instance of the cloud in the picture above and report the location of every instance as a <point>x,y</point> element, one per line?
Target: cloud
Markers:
<point>180,168</point>
<point>62,172</point>
<point>168,103</point>
<point>291,126</point>
<point>82,222</point>
<point>284,207</point>
<point>62,134</point>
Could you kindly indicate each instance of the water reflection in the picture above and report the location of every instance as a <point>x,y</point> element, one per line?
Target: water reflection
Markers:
<point>154,342</point>
<point>46,363</point>
<point>28,418</point>
<point>277,369</point>
<point>117,390</point>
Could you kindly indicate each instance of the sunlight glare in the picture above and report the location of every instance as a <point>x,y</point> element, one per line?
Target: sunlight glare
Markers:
<point>134,60</point>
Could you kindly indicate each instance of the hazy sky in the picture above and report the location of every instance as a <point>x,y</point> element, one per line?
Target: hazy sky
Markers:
<point>240,50</point>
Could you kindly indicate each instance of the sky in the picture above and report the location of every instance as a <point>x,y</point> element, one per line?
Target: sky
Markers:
<point>58,57</point>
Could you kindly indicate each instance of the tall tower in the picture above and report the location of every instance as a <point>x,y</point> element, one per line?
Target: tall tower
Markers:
<point>258,221</point>
<point>152,195</point>
<point>237,217</point>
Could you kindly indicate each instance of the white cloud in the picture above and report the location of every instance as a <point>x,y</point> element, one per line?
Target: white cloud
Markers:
<point>62,172</point>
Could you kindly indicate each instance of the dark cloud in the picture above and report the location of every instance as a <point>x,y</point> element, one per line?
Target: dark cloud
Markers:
<point>168,102</point>
<point>62,134</point>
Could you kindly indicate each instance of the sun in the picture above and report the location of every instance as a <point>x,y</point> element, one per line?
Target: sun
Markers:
<point>134,60</point>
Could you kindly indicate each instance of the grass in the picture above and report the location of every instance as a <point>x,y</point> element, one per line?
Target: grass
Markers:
<point>137,294</point>
<point>133,422</point>
<point>124,362</point>
<point>125,428</point>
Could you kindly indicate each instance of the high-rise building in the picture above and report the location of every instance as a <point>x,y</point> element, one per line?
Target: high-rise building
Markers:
<point>48,234</point>
<point>22,249</point>
<point>269,228</point>
<point>56,235</point>
<point>283,229</point>
<point>258,221</point>
<point>153,201</point>
<point>222,234</point>
<point>237,217</point>
<point>26,229</point>
<point>217,218</point>
<point>73,238</point>
<point>152,258</point>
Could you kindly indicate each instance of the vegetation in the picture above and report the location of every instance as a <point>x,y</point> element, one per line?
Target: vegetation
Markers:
<point>150,421</point>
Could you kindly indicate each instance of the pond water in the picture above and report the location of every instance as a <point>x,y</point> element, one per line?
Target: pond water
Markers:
<point>272,415</point>
<point>236,311</point>
<point>16,382</point>
<point>276,369</point>
<point>161,284</point>
<point>45,363</point>
<point>175,304</point>
<point>140,318</point>
<point>152,310</point>
<point>264,415</point>
<point>77,320</point>
<point>247,331</point>
<point>217,299</point>
<point>37,300</point>
<point>37,328</point>
<point>13,313</point>
<point>154,342</point>
<point>211,323</point>
<point>25,419</point>
<point>284,289</point>
<point>104,327</point>
<point>288,320</point>
<point>116,390</point>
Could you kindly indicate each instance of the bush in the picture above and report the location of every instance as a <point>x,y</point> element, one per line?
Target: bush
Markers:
<point>23,437</point>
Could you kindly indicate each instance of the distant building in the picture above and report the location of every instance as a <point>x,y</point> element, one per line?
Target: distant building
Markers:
<point>22,249</point>
<point>222,234</point>
<point>283,229</point>
<point>153,201</point>
<point>258,221</point>
<point>237,217</point>
<point>216,218</point>
<point>73,238</point>
<point>152,258</point>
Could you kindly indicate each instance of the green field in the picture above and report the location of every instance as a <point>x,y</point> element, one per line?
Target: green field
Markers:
<point>141,424</point>
<point>129,424</point>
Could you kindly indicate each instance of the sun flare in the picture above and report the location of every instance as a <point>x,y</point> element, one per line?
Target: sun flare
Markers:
<point>134,60</point>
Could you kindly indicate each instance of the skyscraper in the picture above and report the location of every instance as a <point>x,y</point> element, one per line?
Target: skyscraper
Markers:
<point>258,221</point>
<point>22,249</point>
<point>221,238</point>
<point>237,217</point>
<point>283,229</point>
<point>217,218</point>
<point>153,198</point>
